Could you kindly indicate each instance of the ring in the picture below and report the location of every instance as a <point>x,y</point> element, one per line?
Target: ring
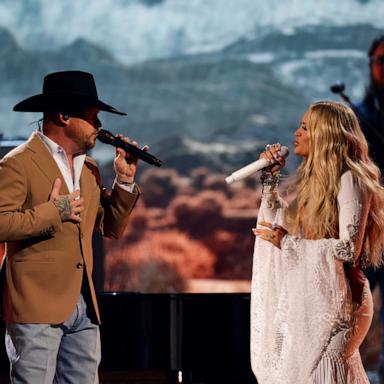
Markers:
<point>267,147</point>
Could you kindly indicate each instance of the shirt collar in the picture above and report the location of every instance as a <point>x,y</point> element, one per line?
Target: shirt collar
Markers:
<point>49,143</point>
<point>54,147</point>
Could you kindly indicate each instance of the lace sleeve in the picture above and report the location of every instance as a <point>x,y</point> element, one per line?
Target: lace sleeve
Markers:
<point>353,213</point>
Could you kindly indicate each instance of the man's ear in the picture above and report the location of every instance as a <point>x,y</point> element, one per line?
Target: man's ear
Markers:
<point>62,119</point>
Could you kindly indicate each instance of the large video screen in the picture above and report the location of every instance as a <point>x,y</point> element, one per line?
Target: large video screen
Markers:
<point>206,84</point>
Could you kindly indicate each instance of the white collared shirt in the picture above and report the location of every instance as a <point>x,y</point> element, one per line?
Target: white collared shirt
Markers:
<point>60,157</point>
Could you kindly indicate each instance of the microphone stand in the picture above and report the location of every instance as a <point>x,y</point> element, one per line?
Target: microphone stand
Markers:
<point>339,88</point>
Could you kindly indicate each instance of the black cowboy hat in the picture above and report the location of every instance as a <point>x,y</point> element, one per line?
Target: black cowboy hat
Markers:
<point>67,89</point>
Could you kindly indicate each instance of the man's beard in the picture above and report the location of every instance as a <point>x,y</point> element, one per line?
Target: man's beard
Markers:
<point>90,144</point>
<point>85,143</point>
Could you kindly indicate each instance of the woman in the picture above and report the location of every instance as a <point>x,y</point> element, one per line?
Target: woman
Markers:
<point>307,318</point>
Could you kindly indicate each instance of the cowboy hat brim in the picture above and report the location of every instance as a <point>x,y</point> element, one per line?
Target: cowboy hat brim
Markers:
<point>47,101</point>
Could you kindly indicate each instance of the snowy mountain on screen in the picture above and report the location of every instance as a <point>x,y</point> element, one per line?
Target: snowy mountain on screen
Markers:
<point>212,71</point>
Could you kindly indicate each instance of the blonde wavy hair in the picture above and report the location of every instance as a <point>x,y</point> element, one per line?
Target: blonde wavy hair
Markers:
<point>336,145</point>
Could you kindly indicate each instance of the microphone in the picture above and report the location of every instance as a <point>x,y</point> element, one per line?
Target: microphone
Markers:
<point>339,89</point>
<point>107,137</point>
<point>257,165</point>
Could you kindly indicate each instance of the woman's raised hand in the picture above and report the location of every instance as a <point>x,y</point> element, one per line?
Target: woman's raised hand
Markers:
<point>272,154</point>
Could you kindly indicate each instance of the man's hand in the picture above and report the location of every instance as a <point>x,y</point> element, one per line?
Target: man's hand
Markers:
<point>69,206</point>
<point>125,165</point>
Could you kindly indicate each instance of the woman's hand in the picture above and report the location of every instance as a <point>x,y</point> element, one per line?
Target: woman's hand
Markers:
<point>271,153</point>
<point>274,235</point>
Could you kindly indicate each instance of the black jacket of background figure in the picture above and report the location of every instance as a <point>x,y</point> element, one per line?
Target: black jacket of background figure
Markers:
<point>371,119</point>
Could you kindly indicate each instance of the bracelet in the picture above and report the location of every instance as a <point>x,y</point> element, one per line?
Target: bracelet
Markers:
<point>268,179</point>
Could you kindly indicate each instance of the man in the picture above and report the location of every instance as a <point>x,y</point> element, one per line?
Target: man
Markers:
<point>371,115</point>
<point>51,201</point>
<point>371,110</point>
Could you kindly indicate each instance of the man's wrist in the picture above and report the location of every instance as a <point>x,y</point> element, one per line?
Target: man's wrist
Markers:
<point>125,181</point>
<point>124,184</point>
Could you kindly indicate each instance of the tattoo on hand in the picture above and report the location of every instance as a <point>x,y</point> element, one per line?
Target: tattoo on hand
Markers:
<point>63,204</point>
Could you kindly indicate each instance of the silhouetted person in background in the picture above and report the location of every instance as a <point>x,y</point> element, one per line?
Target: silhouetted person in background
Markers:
<point>371,115</point>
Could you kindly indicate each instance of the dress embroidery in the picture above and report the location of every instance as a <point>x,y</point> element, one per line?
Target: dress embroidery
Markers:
<point>344,250</point>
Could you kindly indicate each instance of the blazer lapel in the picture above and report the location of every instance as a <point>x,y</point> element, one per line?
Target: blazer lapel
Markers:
<point>45,161</point>
<point>87,184</point>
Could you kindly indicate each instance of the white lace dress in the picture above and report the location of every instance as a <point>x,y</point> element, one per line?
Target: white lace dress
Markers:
<point>305,329</point>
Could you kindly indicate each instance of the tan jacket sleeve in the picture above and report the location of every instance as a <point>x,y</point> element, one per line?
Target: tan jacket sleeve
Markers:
<point>17,223</point>
<point>117,208</point>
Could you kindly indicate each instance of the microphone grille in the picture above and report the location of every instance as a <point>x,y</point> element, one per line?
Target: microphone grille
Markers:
<point>337,88</point>
<point>105,136</point>
<point>284,151</point>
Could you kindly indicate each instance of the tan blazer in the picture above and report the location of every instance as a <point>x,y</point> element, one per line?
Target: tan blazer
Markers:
<point>46,258</point>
